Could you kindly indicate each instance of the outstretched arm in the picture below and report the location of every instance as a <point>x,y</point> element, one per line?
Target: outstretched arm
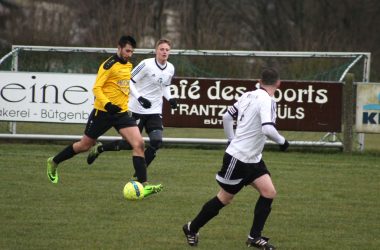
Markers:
<point>228,122</point>
<point>133,89</point>
<point>143,101</point>
<point>271,132</point>
<point>267,116</point>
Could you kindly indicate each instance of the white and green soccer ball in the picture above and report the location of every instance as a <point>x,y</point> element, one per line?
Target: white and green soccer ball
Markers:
<point>133,190</point>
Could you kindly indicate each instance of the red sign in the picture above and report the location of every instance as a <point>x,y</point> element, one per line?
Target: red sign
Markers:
<point>301,105</point>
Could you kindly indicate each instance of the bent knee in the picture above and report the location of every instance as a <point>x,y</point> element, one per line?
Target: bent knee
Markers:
<point>156,144</point>
<point>224,197</point>
<point>155,138</point>
<point>269,193</point>
<point>226,201</point>
<point>82,146</point>
<point>138,146</point>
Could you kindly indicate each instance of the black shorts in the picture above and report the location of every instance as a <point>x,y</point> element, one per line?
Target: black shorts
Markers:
<point>234,174</point>
<point>149,121</point>
<point>100,122</point>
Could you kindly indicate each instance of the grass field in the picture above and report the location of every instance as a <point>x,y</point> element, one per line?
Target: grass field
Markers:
<point>326,200</point>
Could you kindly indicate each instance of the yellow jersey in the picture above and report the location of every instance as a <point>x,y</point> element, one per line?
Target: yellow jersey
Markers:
<point>112,83</point>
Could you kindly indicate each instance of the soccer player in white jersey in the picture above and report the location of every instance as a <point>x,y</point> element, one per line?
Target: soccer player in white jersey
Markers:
<point>255,114</point>
<point>151,81</point>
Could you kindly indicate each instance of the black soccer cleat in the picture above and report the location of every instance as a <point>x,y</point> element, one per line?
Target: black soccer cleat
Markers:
<point>192,238</point>
<point>260,243</point>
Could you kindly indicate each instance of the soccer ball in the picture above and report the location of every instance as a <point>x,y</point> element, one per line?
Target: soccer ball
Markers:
<point>133,190</point>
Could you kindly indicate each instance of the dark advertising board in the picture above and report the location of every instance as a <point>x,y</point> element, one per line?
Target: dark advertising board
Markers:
<point>301,105</point>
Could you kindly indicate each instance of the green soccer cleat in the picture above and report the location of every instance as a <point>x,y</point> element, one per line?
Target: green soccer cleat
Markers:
<point>151,189</point>
<point>93,153</point>
<point>52,171</point>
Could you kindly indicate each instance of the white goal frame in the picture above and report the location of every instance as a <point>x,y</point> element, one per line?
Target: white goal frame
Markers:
<point>356,57</point>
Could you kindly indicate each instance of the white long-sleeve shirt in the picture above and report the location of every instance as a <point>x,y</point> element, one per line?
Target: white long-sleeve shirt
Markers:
<point>151,81</point>
<point>255,114</point>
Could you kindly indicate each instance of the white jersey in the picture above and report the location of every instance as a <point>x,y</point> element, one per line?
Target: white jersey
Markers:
<point>253,110</point>
<point>152,82</point>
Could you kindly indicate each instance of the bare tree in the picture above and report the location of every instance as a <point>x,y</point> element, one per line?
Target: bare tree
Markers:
<point>347,25</point>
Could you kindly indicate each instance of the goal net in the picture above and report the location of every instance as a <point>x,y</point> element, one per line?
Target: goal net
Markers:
<point>210,64</point>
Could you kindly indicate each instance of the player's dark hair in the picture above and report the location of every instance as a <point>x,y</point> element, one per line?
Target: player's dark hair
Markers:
<point>124,40</point>
<point>269,76</point>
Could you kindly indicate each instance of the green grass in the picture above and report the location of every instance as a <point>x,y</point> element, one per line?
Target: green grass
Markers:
<point>326,200</point>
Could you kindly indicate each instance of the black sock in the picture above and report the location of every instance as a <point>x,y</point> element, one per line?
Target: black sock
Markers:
<point>140,168</point>
<point>209,210</point>
<point>115,146</point>
<point>65,154</point>
<point>150,154</point>
<point>262,211</point>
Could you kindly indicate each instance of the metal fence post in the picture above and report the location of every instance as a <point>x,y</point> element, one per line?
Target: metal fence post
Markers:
<point>348,113</point>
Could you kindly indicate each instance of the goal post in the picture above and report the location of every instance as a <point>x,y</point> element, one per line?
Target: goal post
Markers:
<point>217,65</point>
<point>354,56</point>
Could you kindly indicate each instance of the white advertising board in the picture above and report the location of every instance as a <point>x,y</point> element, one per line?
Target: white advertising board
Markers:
<point>368,108</point>
<point>46,97</point>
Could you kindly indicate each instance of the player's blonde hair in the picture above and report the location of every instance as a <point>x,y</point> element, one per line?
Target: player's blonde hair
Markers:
<point>161,41</point>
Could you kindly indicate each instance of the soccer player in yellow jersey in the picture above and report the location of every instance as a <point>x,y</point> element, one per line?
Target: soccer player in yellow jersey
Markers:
<point>111,91</point>
<point>150,84</point>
